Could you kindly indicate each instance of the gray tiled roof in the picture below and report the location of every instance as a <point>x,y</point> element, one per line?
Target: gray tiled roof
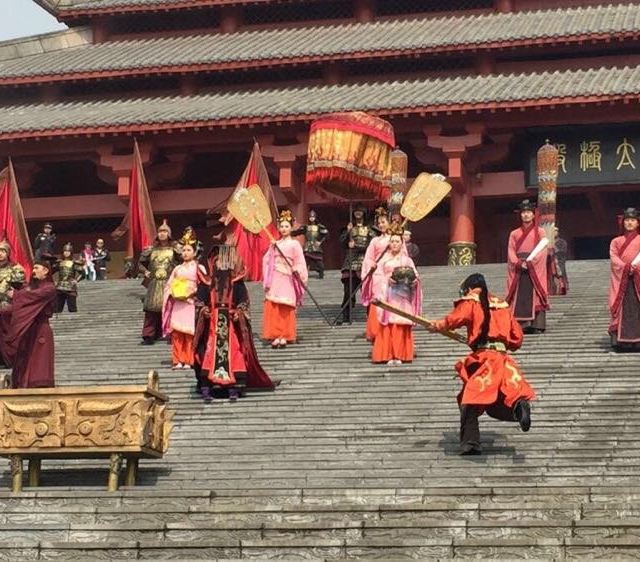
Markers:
<point>327,41</point>
<point>477,92</point>
<point>96,5</point>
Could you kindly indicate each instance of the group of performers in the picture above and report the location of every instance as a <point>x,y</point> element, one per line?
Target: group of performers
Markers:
<point>201,304</point>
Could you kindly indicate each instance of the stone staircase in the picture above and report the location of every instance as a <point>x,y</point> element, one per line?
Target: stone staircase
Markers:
<point>348,459</point>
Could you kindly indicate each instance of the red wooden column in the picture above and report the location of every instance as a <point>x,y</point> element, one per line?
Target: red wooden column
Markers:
<point>462,245</point>
<point>287,159</point>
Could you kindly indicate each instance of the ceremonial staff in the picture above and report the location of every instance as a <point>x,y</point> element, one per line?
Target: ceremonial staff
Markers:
<point>423,196</point>
<point>250,208</point>
<point>428,324</point>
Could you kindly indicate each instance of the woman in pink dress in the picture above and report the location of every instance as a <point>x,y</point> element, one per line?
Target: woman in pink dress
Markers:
<point>179,309</point>
<point>399,286</point>
<point>372,288</point>
<point>284,273</point>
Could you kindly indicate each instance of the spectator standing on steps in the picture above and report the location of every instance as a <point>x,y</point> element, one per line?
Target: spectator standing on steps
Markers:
<point>100,258</point>
<point>89,265</point>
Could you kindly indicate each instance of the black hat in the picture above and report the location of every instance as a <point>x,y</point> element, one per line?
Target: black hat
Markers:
<point>631,213</point>
<point>526,205</point>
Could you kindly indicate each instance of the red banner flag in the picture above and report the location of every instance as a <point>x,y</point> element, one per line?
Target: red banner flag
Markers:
<point>13,228</point>
<point>139,221</point>
<point>252,247</point>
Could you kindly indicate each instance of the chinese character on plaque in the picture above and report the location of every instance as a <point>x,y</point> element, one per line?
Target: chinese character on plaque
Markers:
<point>590,156</point>
<point>562,157</point>
<point>625,151</point>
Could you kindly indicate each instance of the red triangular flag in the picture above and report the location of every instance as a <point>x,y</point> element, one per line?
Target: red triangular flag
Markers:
<point>12,224</point>
<point>138,221</point>
<point>252,247</point>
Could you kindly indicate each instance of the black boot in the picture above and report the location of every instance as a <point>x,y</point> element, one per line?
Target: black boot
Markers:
<point>522,414</point>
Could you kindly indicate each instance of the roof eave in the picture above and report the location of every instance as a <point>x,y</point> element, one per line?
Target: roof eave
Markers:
<point>183,126</point>
<point>314,59</point>
<point>169,6</point>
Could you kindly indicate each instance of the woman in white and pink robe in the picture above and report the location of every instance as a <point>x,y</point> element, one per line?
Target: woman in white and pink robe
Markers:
<point>394,343</point>
<point>284,274</point>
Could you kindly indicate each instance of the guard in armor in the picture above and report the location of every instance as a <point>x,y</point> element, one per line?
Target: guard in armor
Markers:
<point>156,264</point>
<point>557,266</point>
<point>12,277</point>
<point>68,272</point>
<point>355,238</point>
<point>314,236</point>
<point>43,244</point>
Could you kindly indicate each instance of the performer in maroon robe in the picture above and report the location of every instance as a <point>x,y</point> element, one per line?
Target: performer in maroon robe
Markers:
<point>226,361</point>
<point>624,289</point>
<point>527,290</point>
<point>29,343</point>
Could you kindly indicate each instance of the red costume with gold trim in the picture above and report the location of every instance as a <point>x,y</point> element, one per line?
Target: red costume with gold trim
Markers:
<point>488,373</point>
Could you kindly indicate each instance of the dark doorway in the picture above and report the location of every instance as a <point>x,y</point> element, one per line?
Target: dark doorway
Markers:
<point>591,247</point>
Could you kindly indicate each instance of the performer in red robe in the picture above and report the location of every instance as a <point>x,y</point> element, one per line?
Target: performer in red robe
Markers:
<point>226,358</point>
<point>624,288</point>
<point>492,381</point>
<point>527,290</point>
<point>29,344</point>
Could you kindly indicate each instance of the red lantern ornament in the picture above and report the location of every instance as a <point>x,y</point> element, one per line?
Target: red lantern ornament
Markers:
<point>349,156</point>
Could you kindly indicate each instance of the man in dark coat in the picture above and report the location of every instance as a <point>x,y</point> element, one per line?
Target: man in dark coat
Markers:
<point>29,344</point>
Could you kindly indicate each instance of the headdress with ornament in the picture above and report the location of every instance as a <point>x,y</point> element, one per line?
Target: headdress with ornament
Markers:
<point>395,229</point>
<point>189,237</point>
<point>381,212</point>
<point>47,225</point>
<point>312,213</point>
<point>165,227</point>
<point>286,216</point>
<point>526,205</point>
<point>68,247</point>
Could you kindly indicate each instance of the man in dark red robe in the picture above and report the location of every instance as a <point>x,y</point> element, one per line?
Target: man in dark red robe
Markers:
<point>226,361</point>
<point>527,290</point>
<point>29,344</point>
<point>624,288</point>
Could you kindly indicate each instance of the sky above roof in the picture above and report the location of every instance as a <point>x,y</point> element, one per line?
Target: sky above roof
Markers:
<point>21,18</point>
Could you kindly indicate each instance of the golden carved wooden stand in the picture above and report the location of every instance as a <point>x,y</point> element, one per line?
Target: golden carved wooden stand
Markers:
<point>115,422</point>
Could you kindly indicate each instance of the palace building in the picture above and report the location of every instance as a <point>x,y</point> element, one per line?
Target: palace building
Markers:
<point>472,87</point>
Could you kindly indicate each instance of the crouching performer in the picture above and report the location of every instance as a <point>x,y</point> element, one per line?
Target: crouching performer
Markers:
<point>492,381</point>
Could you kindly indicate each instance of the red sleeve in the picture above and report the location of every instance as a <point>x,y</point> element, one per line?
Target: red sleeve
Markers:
<point>617,262</point>
<point>515,335</point>
<point>28,304</point>
<point>512,255</point>
<point>460,316</point>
